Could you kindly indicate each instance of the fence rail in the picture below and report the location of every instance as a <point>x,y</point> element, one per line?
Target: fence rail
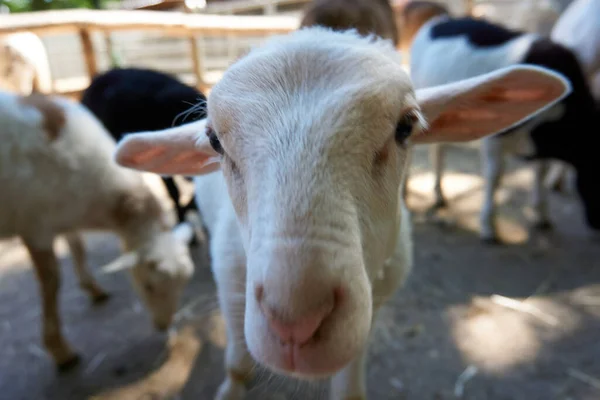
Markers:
<point>268,7</point>
<point>170,22</point>
<point>87,23</point>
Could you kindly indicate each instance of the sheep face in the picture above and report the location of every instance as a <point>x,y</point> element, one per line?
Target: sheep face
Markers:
<point>313,169</point>
<point>160,270</point>
<point>160,275</point>
<point>311,133</point>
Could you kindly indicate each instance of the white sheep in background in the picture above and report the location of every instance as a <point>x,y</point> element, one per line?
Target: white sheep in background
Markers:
<point>24,65</point>
<point>578,29</point>
<point>58,176</point>
<point>469,47</point>
<point>301,157</point>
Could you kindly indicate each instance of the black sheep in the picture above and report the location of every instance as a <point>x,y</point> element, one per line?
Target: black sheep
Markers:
<point>130,100</point>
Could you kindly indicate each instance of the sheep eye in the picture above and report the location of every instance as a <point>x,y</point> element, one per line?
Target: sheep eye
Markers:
<point>404,128</point>
<point>214,141</point>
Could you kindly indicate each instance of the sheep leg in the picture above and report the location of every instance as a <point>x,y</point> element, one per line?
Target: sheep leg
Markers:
<point>48,274</point>
<point>436,157</point>
<point>229,271</point>
<point>539,198</point>
<point>86,280</point>
<point>493,168</point>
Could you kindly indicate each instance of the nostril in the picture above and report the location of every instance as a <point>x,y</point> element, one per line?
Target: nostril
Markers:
<point>303,329</point>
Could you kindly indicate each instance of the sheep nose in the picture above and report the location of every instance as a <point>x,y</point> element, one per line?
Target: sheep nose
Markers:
<point>300,330</point>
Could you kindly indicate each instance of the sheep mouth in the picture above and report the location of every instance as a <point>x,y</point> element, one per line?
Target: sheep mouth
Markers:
<point>309,361</point>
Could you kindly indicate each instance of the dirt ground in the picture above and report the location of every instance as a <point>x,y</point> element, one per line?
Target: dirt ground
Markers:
<point>510,322</point>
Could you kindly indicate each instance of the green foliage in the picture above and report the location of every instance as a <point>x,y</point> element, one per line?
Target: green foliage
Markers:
<point>16,6</point>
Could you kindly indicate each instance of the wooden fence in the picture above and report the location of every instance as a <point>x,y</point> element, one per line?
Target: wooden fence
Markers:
<point>184,26</point>
<point>197,47</point>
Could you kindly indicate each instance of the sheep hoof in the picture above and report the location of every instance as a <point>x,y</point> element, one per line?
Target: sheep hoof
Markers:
<point>69,364</point>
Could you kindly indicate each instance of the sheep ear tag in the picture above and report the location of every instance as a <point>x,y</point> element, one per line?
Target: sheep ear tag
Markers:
<point>183,150</point>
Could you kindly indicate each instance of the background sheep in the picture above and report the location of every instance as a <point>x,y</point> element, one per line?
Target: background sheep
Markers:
<point>24,65</point>
<point>578,29</point>
<point>309,236</point>
<point>135,99</point>
<point>411,17</point>
<point>469,47</point>
<point>366,16</point>
<point>58,177</point>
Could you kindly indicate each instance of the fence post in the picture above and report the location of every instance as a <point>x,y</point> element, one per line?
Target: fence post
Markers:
<point>469,7</point>
<point>196,64</point>
<point>88,52</point>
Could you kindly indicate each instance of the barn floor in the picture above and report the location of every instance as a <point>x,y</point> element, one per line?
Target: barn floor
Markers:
<point>452,318</point>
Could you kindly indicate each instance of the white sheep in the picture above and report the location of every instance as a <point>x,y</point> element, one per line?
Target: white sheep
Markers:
<point>24,64</point>
<point>301,159</point>
<point>469,47</point>
<point>58,176</point>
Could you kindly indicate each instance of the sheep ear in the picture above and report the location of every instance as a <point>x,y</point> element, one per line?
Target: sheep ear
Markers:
<point>487,104</point>
<point>183,150</point>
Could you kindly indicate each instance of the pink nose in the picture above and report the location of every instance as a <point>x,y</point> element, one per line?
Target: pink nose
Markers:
<point>303,329</point>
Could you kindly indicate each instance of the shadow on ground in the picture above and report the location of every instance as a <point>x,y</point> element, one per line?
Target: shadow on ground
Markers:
<point>524,317</point>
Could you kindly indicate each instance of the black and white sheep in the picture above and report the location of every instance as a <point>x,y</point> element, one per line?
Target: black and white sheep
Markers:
<point>448,49</point>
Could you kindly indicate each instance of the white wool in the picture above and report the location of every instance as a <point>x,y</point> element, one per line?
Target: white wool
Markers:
<point>51,186</point>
